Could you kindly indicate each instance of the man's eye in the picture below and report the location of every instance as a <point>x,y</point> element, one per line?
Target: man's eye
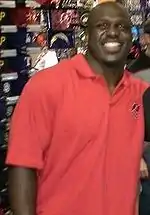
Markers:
<point>123,27</point>
<point>102,26</point>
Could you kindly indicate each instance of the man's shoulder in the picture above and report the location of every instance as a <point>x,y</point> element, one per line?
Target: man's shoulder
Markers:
<point>143,75</point>
<point>56,71</point>
<point>51,78</point>
<point>47,85</point>
<point>138,83</point>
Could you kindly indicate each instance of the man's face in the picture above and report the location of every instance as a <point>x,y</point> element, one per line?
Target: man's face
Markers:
<point>145,40</point>
<point>109,38</point>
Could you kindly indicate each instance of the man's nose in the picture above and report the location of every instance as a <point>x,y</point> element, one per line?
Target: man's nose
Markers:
<point>113,31</point>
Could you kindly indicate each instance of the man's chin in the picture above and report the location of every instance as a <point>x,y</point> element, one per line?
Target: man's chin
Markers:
<point>112,61</point>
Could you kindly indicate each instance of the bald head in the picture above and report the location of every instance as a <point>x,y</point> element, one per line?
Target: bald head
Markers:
<point>105,10</point>
<point>109,33</point>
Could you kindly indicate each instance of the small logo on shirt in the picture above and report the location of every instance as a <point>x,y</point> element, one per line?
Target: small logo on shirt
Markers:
<point>135,110</point>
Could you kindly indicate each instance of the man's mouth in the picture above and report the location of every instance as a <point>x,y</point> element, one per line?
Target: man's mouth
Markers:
<point>112,47</point>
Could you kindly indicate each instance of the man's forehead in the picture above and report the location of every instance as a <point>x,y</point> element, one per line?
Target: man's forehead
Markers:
<point>109,9</point>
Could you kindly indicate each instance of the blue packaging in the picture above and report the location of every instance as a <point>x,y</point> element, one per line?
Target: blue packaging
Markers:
<point>19,40</point>
<point>15,64</point>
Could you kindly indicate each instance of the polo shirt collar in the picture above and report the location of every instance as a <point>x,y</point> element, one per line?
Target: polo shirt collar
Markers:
<point>82,67</point>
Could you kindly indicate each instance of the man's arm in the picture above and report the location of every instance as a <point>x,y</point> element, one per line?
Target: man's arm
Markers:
<point>30,134</point>
<point>22,190</point>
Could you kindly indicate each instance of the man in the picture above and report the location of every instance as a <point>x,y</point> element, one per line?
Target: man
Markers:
<point>77,152</point>
<point>141,68</point>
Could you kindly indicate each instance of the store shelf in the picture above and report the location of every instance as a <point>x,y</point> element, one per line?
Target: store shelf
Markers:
<point>7,4</point>
<point>8,28</point>
<point>9,76</point>
<point>12,4</point>
<point>8,53</point>
<point>14,28</point>
<point>13,52</point>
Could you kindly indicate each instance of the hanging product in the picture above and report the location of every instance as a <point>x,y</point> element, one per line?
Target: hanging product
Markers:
<point>47,58</point>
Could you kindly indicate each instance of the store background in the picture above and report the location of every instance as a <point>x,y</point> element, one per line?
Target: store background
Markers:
<point>38,34</point>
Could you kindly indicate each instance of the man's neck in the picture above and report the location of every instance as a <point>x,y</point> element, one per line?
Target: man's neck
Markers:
<point>112,73</point>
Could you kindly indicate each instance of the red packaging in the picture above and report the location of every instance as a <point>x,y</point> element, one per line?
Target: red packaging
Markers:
<point>1,211</point>
<point>48,1</point>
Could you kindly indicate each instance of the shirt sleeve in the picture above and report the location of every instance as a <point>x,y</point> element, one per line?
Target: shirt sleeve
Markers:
<point>146,106</point>
<point>31,127</point>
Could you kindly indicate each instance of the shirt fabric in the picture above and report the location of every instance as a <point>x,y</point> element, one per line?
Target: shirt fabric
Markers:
<point>85,143</point>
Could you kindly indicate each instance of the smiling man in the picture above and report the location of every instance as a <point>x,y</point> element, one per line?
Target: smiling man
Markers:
<point>78,150</point>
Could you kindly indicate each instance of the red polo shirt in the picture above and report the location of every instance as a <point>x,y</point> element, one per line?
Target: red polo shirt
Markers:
<point>86,143</point>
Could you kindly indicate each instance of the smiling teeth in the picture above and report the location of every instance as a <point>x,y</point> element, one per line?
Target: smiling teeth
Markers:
<point>112,44</point>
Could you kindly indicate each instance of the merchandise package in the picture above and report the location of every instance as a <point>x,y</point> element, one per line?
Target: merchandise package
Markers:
<point>86,3</point>
<point>14,74</point>
<point>68,4</point>
<point>81,40</point>
<point>44,2</point>
<point>47,58</point>
<point>65,53</point>
<point>135,50</point>
<point>12,84</point>
<point>148,3</point>
<point>64,19</point>
<point>19,40</point>
<point>133,4</point>
<point>20,17</point>
<point>61,40</point>
<point>83,17</point>
<point>7,105</point>
<point>137,19</point>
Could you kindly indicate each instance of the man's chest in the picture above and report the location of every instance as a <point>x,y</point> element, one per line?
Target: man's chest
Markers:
<point>91,113</point>
<point>92,125</point>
